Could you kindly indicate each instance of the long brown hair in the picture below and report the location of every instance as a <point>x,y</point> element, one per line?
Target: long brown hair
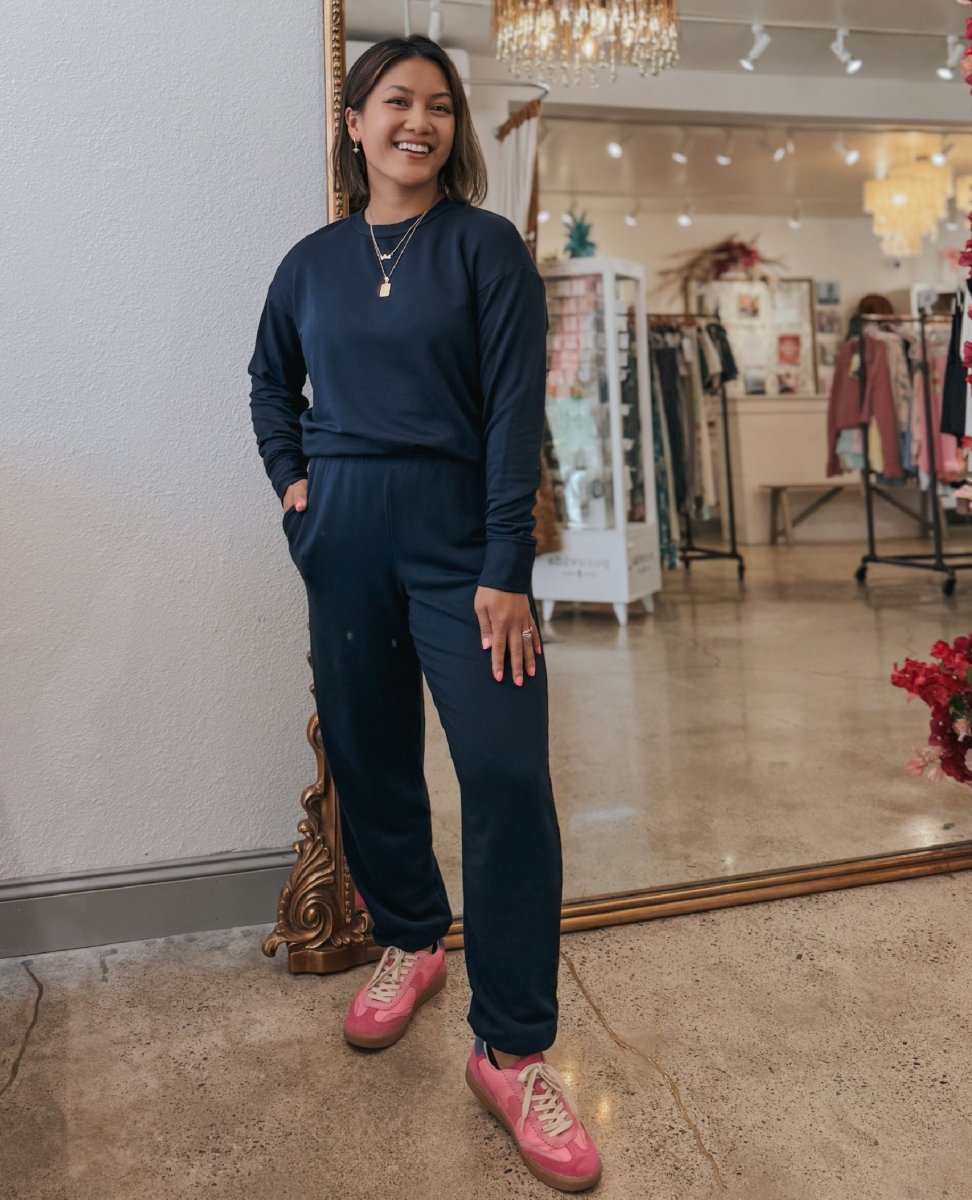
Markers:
<point>464,175</point>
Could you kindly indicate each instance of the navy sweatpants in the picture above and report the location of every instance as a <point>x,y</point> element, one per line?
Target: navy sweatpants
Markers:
<point>390,550</point>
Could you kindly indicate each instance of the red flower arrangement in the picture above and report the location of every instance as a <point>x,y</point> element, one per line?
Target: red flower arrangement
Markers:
<point>946,687</point>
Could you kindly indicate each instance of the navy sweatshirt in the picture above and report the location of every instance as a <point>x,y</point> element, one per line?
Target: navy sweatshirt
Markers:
<point>453,362</point>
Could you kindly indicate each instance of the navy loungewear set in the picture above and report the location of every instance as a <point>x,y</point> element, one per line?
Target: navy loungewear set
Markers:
<point>422,459</point>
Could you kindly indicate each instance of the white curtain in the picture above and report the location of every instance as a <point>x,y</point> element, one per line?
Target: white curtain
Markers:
<point>518,151</point>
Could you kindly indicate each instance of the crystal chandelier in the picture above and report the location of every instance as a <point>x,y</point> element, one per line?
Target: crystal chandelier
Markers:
<point>534,37</point>
<point>908,205</point>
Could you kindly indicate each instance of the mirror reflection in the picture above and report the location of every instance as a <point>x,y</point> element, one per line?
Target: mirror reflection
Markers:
<point>738,563</point>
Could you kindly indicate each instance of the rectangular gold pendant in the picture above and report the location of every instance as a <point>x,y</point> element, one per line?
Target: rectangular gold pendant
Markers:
<point>384,290</point>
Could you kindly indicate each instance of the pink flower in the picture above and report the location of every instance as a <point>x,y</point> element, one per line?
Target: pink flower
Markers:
<point>916,765</point>
<point>961,727</point>
<point>935,773</point>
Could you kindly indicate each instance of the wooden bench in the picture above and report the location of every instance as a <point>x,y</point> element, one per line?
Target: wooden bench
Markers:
<point>782,520</point>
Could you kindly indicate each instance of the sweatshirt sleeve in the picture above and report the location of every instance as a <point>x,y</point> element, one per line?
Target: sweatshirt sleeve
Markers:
<point>512,329</point>
<point>277,374</point>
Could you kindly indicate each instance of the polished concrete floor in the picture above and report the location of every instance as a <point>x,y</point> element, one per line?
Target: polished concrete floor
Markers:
<point>809,1049</point>
<point>740,728</point>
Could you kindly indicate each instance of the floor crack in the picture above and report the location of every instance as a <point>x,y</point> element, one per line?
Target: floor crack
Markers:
<point>30,1028</point>
<point>672,1084</point>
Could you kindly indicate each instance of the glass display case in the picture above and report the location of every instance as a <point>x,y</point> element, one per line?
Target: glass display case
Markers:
<point>597,444</point>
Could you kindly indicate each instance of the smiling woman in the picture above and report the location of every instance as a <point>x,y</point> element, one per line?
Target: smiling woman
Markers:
<point>407,133</point>
<point>408,491</point>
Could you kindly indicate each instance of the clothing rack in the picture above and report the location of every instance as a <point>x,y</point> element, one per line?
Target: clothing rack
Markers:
<point>688,550</point>
<point>937,560</point>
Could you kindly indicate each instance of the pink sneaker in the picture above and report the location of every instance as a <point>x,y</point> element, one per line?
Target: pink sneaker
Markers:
<point>533,1102</point>
<point>401,982</point>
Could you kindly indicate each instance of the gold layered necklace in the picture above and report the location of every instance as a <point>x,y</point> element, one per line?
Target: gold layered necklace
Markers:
<point>385,289</point>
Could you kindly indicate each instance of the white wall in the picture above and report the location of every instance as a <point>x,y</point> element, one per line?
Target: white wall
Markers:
<point>843,249</point>
<point>157,162</point>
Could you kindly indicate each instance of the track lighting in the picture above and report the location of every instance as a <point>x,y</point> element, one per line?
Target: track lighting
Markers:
<point>615,149</point>
<point>953,56</point>
<point>849,156</point>
<point>684,218</point>
<point>775,147</point>
<point>796,220</point>
<point>680,153</point>
<point>543,216</point>
<point>939,157</point>
<point>851,64</point>
<point>435,20</point>
<point>631,220</point>
<point>761,39</point>
<point>724,157</point>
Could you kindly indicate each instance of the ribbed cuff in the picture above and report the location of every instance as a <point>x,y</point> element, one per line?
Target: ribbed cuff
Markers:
<point>287,472</point>
<point>508,566</point>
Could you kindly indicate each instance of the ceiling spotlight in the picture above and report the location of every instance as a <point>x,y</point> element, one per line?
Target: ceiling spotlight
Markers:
<point>543,216</point>
<point>615,149</point>
<point>724,157</point>
<point>849,156</point>
<point>631,220</point>
<point>796,220</point>
<point>761,39</point>
<point>435,20</point>
<point>684,218</point>
<point>775,147</point>
<point>953,56</point>
<point>680,153</point>
<point>939,157</point>
<point>851,64</point>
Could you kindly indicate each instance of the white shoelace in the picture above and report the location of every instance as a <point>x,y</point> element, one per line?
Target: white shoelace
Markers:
<point>387,978</point>
<point>549,1107</point>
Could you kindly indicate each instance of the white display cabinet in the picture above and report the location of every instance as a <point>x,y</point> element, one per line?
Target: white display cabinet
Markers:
<point>598,443</point>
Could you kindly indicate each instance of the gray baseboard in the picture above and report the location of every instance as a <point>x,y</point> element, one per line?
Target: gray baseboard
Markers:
<point>43,913</point>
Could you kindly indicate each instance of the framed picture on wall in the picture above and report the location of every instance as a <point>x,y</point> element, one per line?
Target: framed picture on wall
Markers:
<point>772,329</point>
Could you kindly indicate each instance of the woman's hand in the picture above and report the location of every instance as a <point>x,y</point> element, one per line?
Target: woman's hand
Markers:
<point>296,497</point>
<point>506,624</point>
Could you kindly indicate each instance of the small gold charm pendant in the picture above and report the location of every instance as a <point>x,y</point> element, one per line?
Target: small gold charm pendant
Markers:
<point>384,290</point>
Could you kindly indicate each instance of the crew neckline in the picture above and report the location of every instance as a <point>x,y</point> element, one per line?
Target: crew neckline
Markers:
<point>359,223</point>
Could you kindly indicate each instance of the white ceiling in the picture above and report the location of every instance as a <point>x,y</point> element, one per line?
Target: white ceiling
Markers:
<point>708,43</point>
<point>574,162</point>
<point>578,122</point>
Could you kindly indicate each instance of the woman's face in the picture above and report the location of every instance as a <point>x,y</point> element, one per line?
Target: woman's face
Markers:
<point>409,105</point>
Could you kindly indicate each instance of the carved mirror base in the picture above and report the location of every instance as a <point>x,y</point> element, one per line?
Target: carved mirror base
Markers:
<point>319,917</point>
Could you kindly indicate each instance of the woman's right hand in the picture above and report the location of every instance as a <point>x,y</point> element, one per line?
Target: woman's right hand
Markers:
<point>296,496</point>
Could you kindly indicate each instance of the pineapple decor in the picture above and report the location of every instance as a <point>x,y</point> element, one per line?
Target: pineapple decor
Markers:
<point>578,244</point>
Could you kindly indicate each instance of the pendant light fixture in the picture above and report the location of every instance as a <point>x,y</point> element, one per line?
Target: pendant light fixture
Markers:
<point>535,37</point>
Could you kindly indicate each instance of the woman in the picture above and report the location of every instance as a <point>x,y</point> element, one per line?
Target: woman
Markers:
<point>407,492</point>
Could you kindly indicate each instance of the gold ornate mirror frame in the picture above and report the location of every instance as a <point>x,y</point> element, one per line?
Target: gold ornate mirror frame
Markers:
<point>318,917</point>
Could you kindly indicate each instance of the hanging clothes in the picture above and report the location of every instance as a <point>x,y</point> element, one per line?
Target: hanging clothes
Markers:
<point>847,409</point>
<point>956,408</point>
<point>668,532</point>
